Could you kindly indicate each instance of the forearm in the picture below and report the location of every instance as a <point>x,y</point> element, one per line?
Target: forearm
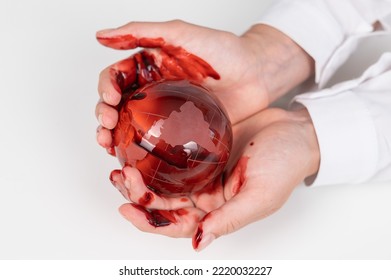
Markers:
<point>282,64</point>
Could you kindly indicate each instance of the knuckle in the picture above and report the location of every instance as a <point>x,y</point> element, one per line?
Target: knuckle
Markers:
<point>232,225</point>
<point>176,22</point>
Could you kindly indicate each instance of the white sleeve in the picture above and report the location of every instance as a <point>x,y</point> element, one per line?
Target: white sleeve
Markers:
<point>353,125</point>
<point>322,27</point>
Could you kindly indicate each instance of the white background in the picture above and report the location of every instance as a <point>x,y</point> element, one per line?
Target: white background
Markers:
<point>56,201</point>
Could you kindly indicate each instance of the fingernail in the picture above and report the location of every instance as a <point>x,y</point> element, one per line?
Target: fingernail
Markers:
<point>205,241</point>
<point>201,239</point>
<point>100,119</point>
<point>115,173</point>
<point>105,96</point>
<point>104,31</point>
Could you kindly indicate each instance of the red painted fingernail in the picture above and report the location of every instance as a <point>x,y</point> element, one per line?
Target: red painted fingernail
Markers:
<point>114,174</point>
<point>197,238</point>
<point>201,240</point>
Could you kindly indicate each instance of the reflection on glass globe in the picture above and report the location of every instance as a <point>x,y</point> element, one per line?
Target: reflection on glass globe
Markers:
<point>176,134</point>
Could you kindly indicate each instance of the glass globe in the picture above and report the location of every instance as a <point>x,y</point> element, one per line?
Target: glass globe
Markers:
<point>176,134</point>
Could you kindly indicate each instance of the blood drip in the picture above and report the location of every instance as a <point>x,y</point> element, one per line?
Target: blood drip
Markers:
<point>157,218</point>
<point>174,62</point>
<point>239,175</point>
<point>146,199</point>
<point>160,218</point>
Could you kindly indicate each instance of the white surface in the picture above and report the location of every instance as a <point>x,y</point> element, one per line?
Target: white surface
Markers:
<point>56,201</point>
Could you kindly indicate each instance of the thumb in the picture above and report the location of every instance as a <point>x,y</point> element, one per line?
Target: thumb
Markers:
<point>248,199</point>
<point>233,215</point>
<point>139,34</point>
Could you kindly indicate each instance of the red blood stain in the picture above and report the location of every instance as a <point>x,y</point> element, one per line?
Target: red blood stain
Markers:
<point>127,41</point>
<point>114,174</point>
<point>119,42</point>
<point>160,218</point>
<point>181,212</point>
<point>252,144</point>
<point>239,175</point>
<point>174,63</point>
<point>184,199</point>
<point>156,217</point>
<point>197,238</point>
<point>111,151</point>
<point>146,199</point>
<point>206,217</point>
<point>151,42</point>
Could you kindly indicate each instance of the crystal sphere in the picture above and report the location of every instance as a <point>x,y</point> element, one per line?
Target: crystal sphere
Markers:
<point>176,134</point>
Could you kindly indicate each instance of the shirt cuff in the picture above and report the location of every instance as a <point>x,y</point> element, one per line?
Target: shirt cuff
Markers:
<point>316,26</point>
<point>346,135</point>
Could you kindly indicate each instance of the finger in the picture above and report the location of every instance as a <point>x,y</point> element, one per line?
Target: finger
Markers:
<point>250,197</point>
<point>191,66</point>
<point>104,137</point>
<point>173,223</point>
<point>233,215</point>
<point>118,183</point>
<point>117,79</point>
<point>128,75</point>
<point>139,34</point>
<point>171,67</point>
<point>147,69</point>
<point>106,115</point>
<point>139,193</point>
<point>123,74</point>
<point>243,206</point>
<point>108,89</point>
<point>178,61</point>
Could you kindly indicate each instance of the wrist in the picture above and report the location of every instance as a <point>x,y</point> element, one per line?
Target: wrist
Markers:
<point>282,64</point>
<point>309,140</point>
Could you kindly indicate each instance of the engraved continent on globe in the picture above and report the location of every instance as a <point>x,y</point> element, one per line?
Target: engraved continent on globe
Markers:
<point>176,134</point>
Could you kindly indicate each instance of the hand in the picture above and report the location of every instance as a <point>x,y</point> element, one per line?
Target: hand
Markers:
<point>247,72</point>
<point>273,152</point>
